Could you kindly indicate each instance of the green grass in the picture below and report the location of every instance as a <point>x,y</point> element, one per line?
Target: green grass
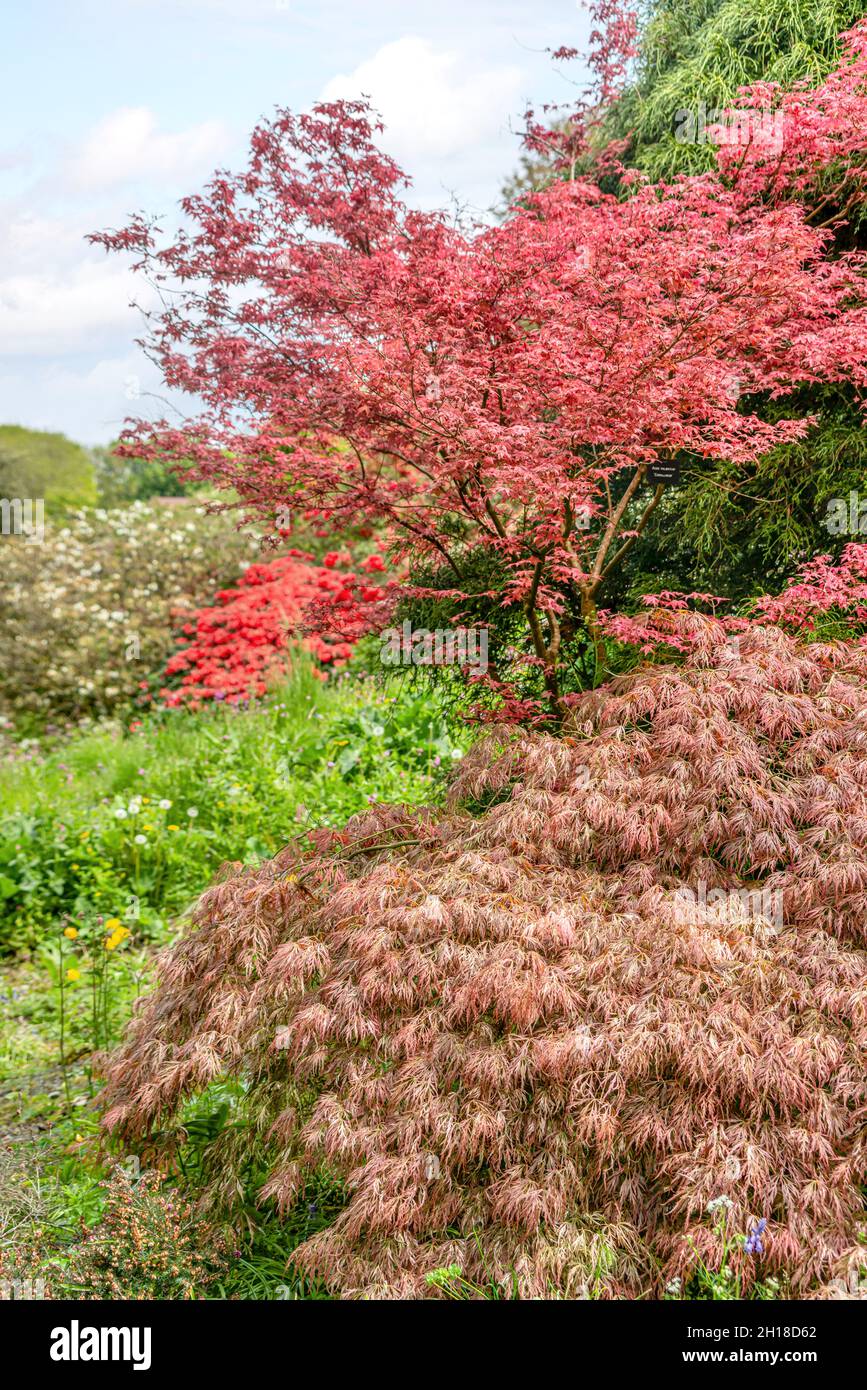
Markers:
<point>85,829</point>
<point>310,754</point>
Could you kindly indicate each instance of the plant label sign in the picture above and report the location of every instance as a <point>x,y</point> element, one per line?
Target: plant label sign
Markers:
<point>665,471</point>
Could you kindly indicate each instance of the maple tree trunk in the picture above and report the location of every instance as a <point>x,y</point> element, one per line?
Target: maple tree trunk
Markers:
<point>547,653</point>
<point>590,617</point>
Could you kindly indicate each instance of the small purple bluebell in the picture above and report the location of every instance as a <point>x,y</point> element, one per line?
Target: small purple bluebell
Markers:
<point>753,1244</point>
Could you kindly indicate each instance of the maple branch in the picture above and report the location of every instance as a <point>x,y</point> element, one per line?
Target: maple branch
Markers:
<point>611,529</point>
<point>630,540</point>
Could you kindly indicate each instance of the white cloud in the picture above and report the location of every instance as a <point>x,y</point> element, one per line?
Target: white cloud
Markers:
<point>126,146</point>
<point>53,313</point>
<point>57,294</point>
<point>87,402</point>
<point>18,157</point>
<point>433,104</point>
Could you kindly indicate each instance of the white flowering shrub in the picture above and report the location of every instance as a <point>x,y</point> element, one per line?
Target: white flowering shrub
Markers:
<point>89,617</point>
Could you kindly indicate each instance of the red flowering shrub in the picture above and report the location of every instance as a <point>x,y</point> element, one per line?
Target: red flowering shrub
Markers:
<point>237,645</point>
<point>624,975</point>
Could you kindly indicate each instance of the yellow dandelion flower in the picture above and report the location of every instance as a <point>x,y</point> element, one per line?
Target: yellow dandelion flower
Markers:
<point>173,827</point>
<point>70,933</point>
<point>110,943</point>
<point>113,923</point>
<point>73,975</point>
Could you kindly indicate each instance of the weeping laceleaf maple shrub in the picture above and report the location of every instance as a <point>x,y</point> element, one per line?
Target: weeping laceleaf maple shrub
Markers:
<point>503,389</point>
<point>624,974</point>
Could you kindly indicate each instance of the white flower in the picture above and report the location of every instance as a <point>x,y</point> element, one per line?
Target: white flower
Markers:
<point>718,1203</point>
<point>134,808</point>
<point>141,839</point>
<point>192,812</point>
<point>120,813</point>
<point>165,804</point>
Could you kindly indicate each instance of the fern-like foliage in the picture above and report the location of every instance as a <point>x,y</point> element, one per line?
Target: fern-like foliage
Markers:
<point>697,53</point>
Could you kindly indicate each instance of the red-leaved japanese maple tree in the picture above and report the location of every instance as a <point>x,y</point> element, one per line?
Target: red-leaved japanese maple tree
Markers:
<point>508,388</point>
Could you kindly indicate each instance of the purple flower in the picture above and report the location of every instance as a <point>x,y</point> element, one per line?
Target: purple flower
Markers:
<point>753,1244</point>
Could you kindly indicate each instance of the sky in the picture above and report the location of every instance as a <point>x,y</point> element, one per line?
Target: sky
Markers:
<point>111,106</point>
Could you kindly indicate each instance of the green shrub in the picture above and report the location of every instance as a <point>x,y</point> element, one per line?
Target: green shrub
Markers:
<point>134,824</point>
<point>148,1245</point>
<point>36,464</point>
<point>87,619</point>
<point>120,481</point>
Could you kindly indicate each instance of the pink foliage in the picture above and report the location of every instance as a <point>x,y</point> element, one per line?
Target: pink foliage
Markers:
<point>809,139</point>
<point>822,587</point>
<point>564,1024</point>
<point>520,379</point>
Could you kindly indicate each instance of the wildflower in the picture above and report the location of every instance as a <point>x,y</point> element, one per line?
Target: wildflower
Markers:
<point>173,827</point>
<point>719,1203</point>
<point>70,933</point>
<point>753,1244</point>
<point>165,804</point>
<point>110,943</point>
<point>72,975</point>
<point>120,813</point>
<point>192,812</point>
<point>74,868</point>
<point>673,1287</point>
<point>113,923</point>
<point>141,839</point>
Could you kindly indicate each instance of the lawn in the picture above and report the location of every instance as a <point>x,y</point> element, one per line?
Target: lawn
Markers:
<point>106,840</point>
